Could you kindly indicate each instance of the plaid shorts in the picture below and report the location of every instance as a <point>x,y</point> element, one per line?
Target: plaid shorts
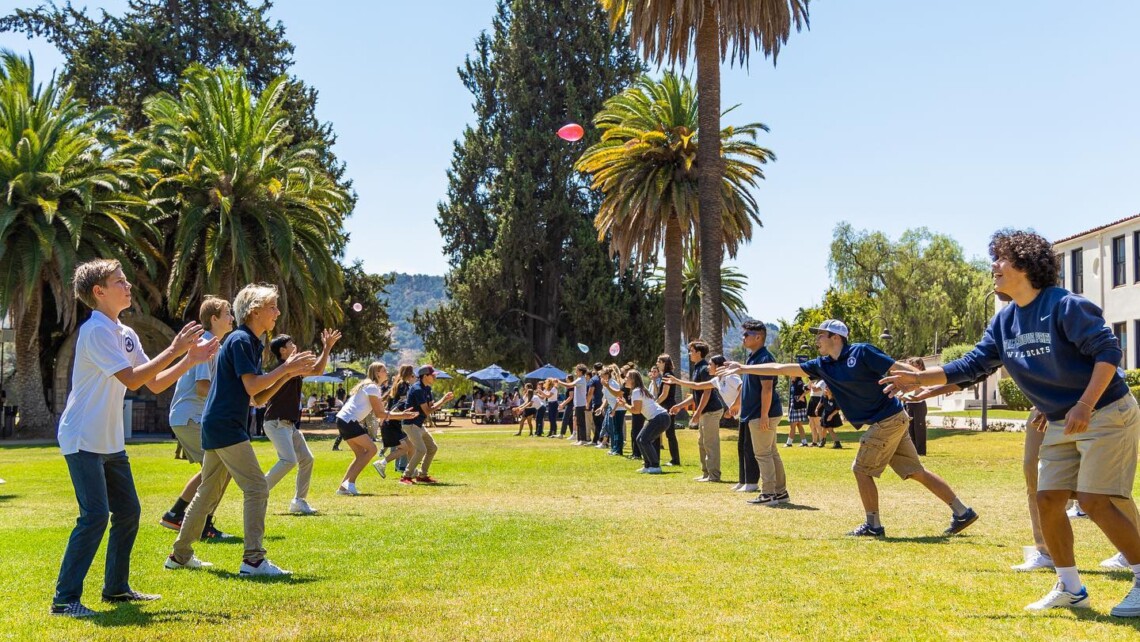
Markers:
<point>797,415</point>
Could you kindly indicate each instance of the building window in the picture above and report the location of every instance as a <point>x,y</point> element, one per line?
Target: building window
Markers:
<point>1136,359</point>
<point>1078,270</point>
<point>1118,265</point>
<point>1121,332</point>
<point>1136,260</point>
<point>1061,272</point>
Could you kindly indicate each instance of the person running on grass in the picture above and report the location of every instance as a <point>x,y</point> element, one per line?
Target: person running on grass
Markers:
<point>423,445</point>
<point>186,408</point>
<point>109,359</point>
<point>365,399</point>
<point>225,437</point>
<point>392,435</point>
<point>283,421</point>
<point>852,371</point>
<point>1056,347</point>
<point>656,421</point>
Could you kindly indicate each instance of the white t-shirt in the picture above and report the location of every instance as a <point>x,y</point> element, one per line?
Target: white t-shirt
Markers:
<point>357,406</point>
<point>608,393</point>
<point>817,387</point>
<point>538,399</point>
<point>580,391</point>
<point>92,420</point>
<point>729,387</point>
<point>649,407</point>
<point>186,405</point>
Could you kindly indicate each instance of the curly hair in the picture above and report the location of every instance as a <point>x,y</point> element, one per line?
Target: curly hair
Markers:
<point>1030,253</point>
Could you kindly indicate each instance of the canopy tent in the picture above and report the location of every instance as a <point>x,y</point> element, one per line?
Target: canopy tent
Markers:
<point>440,374</point>
<point>546,372</point>
<point>325,378</point>
<point>345,372</point>
<point>492,376</point>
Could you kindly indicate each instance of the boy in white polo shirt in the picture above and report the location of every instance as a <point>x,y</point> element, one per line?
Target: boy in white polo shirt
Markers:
<point>108,359</point>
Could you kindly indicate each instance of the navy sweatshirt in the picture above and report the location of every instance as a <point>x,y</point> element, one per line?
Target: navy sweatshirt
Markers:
<point>1049,347</point>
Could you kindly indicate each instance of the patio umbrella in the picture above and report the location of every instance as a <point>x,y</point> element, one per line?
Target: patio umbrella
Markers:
<point>325,378</point>
<point>492,376</point>
<point>440,374</point>
<point>345,372</point>
<point>546,372</point>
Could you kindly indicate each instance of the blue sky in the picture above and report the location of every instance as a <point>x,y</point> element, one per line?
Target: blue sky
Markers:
<point>961,117</point>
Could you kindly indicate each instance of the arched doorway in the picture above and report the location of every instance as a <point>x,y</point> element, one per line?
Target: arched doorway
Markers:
<point>150,412</point>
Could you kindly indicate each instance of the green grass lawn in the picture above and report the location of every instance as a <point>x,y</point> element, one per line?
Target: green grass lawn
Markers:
<point>996,413</point>
<point>531,539</point>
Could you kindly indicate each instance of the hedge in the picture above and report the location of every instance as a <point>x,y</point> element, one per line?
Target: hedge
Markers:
<point>1014,398</point>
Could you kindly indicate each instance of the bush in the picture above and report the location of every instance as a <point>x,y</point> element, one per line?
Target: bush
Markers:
<point>1014,398</point>
<point>1132,377</point>
<point>951,353</point>
<point>1135,392</point>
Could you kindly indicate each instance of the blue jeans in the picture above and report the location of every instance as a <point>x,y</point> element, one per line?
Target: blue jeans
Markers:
<point>105,491</point>
<point>617,431</point>
<point>538,420</point>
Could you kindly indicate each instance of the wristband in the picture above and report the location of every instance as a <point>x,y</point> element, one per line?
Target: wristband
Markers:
<point>1091,407</point>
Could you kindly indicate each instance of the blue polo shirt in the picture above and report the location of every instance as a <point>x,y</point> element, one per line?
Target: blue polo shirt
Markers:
<point>753,386</point>
<point>700,373</point>
<point>854,381</point>
<point>226,415</point>
<point>595,386</point>
<point>418,395</point>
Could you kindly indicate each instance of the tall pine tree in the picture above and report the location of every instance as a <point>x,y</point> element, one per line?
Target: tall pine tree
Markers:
<point>528,278</point>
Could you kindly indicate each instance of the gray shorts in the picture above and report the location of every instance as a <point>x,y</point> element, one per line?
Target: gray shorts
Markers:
<point>190,436</point>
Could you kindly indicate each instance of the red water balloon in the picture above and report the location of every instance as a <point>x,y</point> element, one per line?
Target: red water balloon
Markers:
<point>571,132</point>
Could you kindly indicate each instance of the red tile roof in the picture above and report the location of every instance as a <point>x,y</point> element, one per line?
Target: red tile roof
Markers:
<point>1097,229</point>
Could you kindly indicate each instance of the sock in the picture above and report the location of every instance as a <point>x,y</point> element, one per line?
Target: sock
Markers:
<point>179,506</point>
<point>1070,578</point>
<point>1136,571</point>
<point>873,520</point>
<point>957,506</point>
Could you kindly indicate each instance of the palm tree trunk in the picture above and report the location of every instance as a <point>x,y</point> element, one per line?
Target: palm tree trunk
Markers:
<point>710,171</point>
<point>674,257</point>
<point>35,418</point>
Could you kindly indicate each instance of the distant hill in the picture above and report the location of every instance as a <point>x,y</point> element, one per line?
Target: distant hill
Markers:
<point>410,292</point>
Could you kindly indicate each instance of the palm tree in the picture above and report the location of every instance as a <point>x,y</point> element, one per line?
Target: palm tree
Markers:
<point>646,167</point>
<point>667,31</point>
<point>733,284</point>
<point>68,198</point>
<point>242,202</point>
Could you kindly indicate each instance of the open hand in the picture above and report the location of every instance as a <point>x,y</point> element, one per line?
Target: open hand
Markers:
<point>899,381</point>
<point>202,350</point>
<point>300,361</point>
<point>329,339</point>
<point>1038,421</point>
<point>186,338</point>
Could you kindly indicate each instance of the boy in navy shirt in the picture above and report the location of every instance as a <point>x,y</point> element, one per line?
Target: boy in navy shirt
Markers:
<point>1056,347</point>
<point>852,372</point>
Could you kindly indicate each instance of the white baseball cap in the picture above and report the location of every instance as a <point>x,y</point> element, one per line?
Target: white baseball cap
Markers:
<point>834,326</point>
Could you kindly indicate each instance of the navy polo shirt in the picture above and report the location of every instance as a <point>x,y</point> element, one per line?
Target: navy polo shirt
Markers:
<point>753,386</point>
<point>699,373</point>
<point>854,382</point>
<point>596,395</point>
<point>226,415</point>
<point>418,395</point>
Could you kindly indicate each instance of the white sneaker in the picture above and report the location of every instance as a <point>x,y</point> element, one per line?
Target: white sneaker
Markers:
<point>788,442</point>
<point>702,478</point>
<point>643,469</point>
<point>749,488</point>
<point>299,505</point>
<point>1130,605</point>
<point>265,568</point>
<point>1075,512</point>
<point>347,488</point>
<point>381,466</point>
<point>601,446</point>
<point>1058,597</point>
<point>654,471</point>
<point>738,487</point>
<point>1116,562</point>
<point>1034,559</point>
<point>193,562</point>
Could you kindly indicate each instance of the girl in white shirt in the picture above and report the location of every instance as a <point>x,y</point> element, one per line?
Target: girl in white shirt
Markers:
<point>656,421</point>
<point>365,399</point>
<point>527,409</point>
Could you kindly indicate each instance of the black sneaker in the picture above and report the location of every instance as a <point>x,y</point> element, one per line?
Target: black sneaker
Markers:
<point>959,523</point>
<point>171,520</point>
<point>212,532</point>
<point>837,445</point>
<point>71,609</point>
<point>866,530</point>
<point>765,499</point>
<point>132,596</point>
<point>782,498</point>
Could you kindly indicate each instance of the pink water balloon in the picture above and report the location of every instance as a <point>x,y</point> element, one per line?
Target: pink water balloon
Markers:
<point>615,349</point>
<point>356,307</point>
<point>571,132</point>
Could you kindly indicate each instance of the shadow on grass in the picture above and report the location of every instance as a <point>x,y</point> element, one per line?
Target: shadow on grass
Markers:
<point>295,579</point>
<point>7,498</point>
<point>791,506</point>
<point>129,614</point>
<point>1083,615</point>
<point>924,539</point>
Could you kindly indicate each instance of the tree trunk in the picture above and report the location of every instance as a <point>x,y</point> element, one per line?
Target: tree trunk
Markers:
<point>36,421</point>
<point>710,172</point>
<point>674,257</point>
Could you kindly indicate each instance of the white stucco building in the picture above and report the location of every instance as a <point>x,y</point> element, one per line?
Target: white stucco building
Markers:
<point>1103,265</point>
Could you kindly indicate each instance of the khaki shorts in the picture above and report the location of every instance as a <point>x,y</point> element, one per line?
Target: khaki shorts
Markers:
<point>1100,460</point>
<point>888,443</point>
<point>190,436</point>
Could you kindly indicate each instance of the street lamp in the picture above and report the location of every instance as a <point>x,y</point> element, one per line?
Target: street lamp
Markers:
<point>986,381</point>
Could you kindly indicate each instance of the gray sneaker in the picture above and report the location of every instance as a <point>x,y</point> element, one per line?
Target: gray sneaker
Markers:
<point>71,609</point>
<point>1130,605</point>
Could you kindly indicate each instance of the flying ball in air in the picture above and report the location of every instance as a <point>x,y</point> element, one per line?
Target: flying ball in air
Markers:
<point>356,307</point>
<point>571,132</point>
<point>583,347</point>
<point>615,349</point>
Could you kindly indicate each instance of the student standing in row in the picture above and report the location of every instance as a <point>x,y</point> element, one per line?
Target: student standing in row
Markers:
<point>283,422</point>
<point>708,413</point>
<point>420,402</point>
<point>225,438</point>
<point>667,396</point>
<point>109,359</point>
<point>656,421</point>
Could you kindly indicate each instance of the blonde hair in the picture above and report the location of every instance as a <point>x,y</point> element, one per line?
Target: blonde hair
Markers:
<point>90,274</point>
<point>374,370</point>
<point>211,307</point>
<point>252,297</point>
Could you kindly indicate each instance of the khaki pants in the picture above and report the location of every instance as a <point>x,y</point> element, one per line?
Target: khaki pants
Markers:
<point>1029,462</point>
<point>708,442</point>
<point>190,437</point>
<point>425,449</point>
<point>292,450</point>
<point>772,478</point>
<point>240,462</point>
